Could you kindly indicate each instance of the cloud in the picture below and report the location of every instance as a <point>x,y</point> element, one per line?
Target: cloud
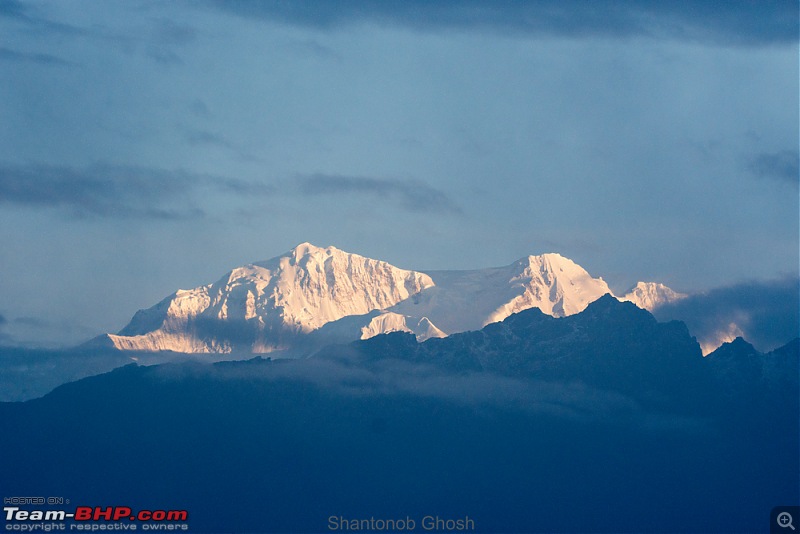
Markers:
<point>27,331</point>
<point>198,108</point>
<point>6,54</point>
<point>29,15</point>
<point>205,138</point>
<point>767,313</point>
<point>165,37</point>
<point>410,195</point>
<point>480,391</point>
<point>159,40</point>
<point>735,22</point>
<point>167,31</point>
<point>242,188</point>
<point>783,166</point>
<point>163,55</point>
<point>392,377</point>
<point>116,191</point>
<point>313,48</point>
<point>202,137</point>
<point>13,9</point>
<point>33,322</point>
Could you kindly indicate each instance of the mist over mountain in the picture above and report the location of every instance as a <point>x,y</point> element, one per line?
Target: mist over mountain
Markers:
<point>605,420</point>
<point>766,313</point>
<point>592,347</point>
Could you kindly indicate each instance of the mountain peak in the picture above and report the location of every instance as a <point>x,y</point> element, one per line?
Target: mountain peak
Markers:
<point>738,346</point>
<point>555,284</point>
<point>548,259</point>
<point>260,307</point>
<point>606,301</point>
<point>608,305</point>
<point>548,255</point>
<point>307,248</point>
<point>610,302</point>
<point>651,295</point>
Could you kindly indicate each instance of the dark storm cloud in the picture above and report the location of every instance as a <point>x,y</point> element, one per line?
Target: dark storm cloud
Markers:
<point>410,195</point>
<point>783,166</point>
<point>3,319</point>
<point>116,191</point>
<point>6,54</point>
<point>733,22</point>
<point>767,312</point>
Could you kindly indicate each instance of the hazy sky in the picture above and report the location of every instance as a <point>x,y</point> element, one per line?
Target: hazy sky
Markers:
<point>147,146</point>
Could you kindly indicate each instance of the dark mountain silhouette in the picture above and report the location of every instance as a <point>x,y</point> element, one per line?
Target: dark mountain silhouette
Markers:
<point>605,421</point>
<point>612,345</point>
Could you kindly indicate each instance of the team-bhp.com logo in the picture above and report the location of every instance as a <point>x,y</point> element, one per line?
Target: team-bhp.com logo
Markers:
<point>117,513</point>
<point>95,518</point>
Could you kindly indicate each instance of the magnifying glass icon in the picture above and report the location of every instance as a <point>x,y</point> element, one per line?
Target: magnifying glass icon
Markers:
<point>785,520</point>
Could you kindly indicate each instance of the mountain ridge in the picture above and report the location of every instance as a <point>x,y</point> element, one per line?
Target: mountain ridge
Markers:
<point>269,305</point>
<point>607,407</point>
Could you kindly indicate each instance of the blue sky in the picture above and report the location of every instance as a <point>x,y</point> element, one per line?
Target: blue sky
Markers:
<point>147,146</point>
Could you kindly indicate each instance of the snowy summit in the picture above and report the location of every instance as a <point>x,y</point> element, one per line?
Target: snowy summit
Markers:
<point>270,305</point>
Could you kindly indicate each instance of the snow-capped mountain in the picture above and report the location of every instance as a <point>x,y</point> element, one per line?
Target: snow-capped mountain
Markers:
<point>651,295</point>
<point>258,307</point>
<point>270,305</point>
<point>469,300</point>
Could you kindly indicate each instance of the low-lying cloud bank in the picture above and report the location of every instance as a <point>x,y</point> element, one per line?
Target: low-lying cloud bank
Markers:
<point>765,313</point>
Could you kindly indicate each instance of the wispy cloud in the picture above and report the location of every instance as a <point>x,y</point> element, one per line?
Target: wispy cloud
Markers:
<point>161,40</point>
<point>735,22</point>
<point>168,31</point>
<point>30,15</point>
<point>163,55</point>
<point>206,138</point>
<point>29,331</point>
<point>117,191</point>
<point>166,36</point>
<point>203,137</point>
<point>7,54</point>
<point>783,166</point>
<point>411,195</point>
<point>311,47</point>
<point>33,322</point>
